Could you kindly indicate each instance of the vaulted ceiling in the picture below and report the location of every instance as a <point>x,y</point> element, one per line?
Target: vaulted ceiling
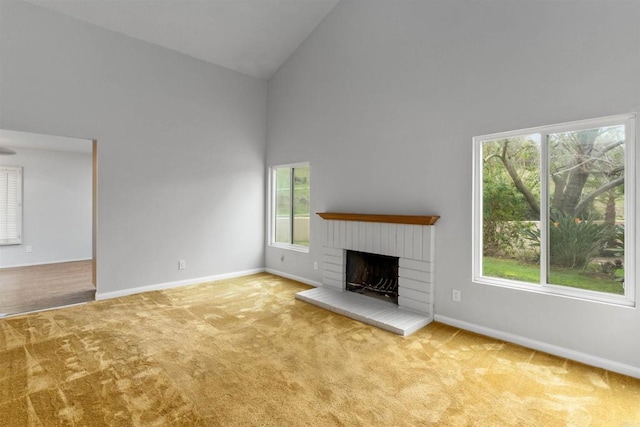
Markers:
<point>254,37</point>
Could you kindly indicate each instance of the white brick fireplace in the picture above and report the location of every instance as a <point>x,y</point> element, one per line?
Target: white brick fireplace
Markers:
<point>410,238</point>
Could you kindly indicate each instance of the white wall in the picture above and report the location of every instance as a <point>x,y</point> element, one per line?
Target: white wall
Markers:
<point>56,199</point>
<point>383,100</point>
<point>181,143</point>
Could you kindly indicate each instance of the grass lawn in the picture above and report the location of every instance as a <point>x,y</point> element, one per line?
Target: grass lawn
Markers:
<point>517,270</point>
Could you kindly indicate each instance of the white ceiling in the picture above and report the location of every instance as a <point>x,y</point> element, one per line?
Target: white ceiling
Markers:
<point>254,37</point>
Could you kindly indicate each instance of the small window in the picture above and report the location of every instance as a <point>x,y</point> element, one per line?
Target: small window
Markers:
<point>554,209</point>
<point>10,205</point>
<point>290,225</point>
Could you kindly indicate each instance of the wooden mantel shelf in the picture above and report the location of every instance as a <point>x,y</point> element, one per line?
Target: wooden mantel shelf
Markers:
<point>392,219</point>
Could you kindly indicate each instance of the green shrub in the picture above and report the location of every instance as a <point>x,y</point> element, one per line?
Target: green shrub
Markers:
<point>504,218</point>
<point>573,242</point>
<point>618,251</point>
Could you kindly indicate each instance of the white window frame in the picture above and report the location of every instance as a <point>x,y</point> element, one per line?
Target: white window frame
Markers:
<point>4,199</point>
<point>632,205</point>
<point>272,208</point>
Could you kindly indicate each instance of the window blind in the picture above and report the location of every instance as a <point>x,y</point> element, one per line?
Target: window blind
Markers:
<point>10,205</point>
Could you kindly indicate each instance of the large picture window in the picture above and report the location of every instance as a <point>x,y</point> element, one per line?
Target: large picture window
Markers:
<point>554,209</point>
<point>290,206</point>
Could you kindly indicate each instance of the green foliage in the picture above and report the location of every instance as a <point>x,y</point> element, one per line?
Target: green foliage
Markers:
<point>585,183</point>
<point>300,188</point>
<point>301,184</point>
<point>501,207</point>
<point>504,210</point>
<point>618,251</point>
<point>573,242</point>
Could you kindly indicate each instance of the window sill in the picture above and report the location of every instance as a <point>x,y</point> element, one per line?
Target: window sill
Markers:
<point>559,291</point>
<point>297,248</point>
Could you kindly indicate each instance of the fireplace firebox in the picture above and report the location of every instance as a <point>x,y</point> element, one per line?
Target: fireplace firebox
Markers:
<point>372,275</point>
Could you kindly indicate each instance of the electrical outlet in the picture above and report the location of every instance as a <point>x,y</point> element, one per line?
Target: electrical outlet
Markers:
<point>456,295</point>
<point>28,249</point>
<point>315,265</point>
<point>182,264</point>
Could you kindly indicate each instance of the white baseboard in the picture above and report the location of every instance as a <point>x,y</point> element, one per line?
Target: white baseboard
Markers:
<point>45,263</point>
<point>176,284</point>
<point>566,353</point>
<point>293,277</point>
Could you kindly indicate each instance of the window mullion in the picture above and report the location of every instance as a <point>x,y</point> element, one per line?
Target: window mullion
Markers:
<point>291,171</point>
<point>630,212</point>
<point>544,208</point>
<point>274,208</point>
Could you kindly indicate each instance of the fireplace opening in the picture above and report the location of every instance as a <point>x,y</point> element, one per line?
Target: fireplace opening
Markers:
<point>372,275</point>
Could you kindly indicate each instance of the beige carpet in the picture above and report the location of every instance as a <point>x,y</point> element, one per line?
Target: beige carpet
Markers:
<point>245,352</point>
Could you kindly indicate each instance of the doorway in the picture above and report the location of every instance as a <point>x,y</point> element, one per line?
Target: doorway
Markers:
<point>49,260</point>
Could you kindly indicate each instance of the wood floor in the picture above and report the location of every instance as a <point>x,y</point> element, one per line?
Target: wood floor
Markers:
<point>24,289</point>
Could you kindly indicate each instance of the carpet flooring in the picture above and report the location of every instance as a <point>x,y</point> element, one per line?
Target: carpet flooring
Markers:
<point>245,352</point>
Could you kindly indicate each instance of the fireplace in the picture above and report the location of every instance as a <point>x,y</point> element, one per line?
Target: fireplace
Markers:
<point>372,275</point>
<point>398,271</point>
<point>409,239</point>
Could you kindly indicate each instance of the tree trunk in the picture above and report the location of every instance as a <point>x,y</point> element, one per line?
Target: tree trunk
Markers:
<point>573,191</point>
<point>578,172</point>
<point>511,170</point>
<point>610,217</point>
<point>560,183</point>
